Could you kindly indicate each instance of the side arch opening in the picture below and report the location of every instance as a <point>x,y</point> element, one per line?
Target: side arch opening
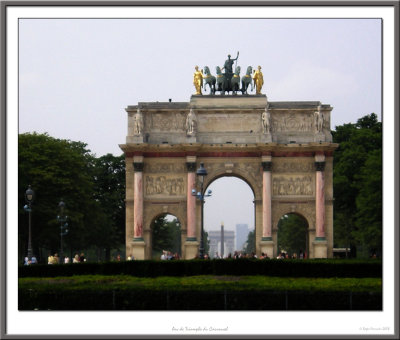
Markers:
<point>293,236</point>
<point>166,237</point>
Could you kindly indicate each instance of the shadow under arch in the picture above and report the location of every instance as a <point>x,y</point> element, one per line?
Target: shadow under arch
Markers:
<point>232,204</point>
<point>166,236</point>
<point>293,235</point>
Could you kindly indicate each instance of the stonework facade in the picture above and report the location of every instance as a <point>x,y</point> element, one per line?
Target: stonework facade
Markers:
<point>282,150</point>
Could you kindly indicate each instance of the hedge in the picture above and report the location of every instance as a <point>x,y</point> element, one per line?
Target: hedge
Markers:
<point>272,267</point>
<point>153,300</point>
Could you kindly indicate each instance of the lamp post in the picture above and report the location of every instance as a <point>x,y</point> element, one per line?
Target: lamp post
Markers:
<point>63,225</point>
<point>200,195</point>
<point>29,195</point>
<point>222,240</point>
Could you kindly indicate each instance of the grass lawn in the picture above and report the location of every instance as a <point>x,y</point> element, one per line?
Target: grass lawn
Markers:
<point>204,282</point>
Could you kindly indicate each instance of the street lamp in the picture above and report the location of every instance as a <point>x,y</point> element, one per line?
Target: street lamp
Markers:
<point>63,225</point>
<point>29,195</point>
<point>200,195</point>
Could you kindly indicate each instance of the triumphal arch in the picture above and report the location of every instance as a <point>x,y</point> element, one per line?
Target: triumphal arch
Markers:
<point>282,150</point>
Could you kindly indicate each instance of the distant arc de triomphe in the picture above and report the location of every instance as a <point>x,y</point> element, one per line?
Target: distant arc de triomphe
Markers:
<point>282,150</point>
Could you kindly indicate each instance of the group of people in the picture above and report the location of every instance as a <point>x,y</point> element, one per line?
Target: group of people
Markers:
<point>253,255</point>
<point>28,261</point>
<point>167,255</point>
<point>283,255</point>
<point>55,259</point>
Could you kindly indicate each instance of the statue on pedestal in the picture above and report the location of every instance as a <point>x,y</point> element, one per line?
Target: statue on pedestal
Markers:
<point>198,80</point>
<point>318,120</point>
<point>191,123</point>
<point>258,80</point>
<point>138,123</point>
<point>266,117</point>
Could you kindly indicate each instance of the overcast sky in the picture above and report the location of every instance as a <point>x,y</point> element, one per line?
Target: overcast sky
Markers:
<point>76,76</point>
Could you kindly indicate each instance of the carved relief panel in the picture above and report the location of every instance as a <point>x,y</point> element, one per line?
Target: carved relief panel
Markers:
<point>162,179</point>
<point>292,185</point>
<point>165,122</point>
<point>297,122</point>
<point>229,122</point>
<point>164,168</point>
<point>164,186</point>
<point>293,166</point>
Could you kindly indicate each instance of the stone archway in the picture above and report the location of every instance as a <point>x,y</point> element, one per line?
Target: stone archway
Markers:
<point>231,209</point>
<point>288,166</point>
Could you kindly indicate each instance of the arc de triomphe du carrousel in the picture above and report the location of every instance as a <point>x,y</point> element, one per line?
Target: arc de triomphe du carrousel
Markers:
<point>282,150</point>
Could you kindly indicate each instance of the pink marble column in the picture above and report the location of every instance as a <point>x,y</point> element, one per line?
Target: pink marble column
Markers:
<point>320,200</point>
<point>191,202</point>
<point>138,201</point>
<point>267,201</point>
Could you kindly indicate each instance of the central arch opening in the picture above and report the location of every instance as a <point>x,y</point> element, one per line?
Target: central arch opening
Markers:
<point>229,218</point>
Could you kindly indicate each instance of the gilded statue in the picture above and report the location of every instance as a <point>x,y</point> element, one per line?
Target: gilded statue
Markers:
<point>258,80</point>
<point>198,80</point>
<point>138,123</point>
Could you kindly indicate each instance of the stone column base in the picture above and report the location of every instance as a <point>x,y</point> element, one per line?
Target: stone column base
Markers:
<point>138,249</point>
<point>267,247</point>
<point>191,249</point>
<point>320,249</point>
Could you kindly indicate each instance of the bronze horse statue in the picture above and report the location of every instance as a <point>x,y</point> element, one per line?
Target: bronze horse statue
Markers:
<point>235,81</point>
<point>246,80</point>
<point>209,79</point>
<point>222,84</point>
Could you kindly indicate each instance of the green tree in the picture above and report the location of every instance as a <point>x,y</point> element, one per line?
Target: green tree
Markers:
<point>368,219</point>
<point>292,234</point>
<point>175,232</point>
<point>109,192</point>
<point>166,236</point>
<point>56,169</point>
<point>250,245</point>
<point>206,242</point>
<point>353,172</point>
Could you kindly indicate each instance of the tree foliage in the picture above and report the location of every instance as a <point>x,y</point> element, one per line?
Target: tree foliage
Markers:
<point>206,241</point>
<point>109,192</point>
<point>166,236</point>
<point>63,169</point>
<point>357,184</point>
<point>292,234</point>
<point>250,245</point>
